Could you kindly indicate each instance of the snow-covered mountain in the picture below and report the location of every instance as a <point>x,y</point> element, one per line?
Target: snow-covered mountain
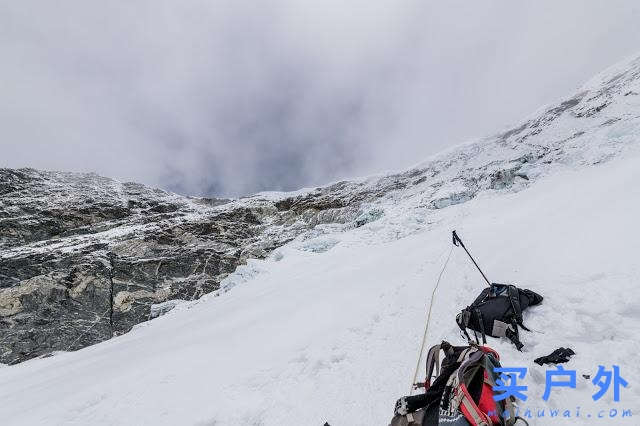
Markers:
<point>314,301</point>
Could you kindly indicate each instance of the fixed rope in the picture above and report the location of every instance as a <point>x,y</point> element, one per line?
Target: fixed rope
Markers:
<point>426,328</point>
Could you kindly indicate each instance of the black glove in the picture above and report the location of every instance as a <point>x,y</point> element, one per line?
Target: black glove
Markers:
<point>559,356</point>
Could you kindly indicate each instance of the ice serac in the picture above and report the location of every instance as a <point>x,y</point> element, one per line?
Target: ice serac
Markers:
<point>65,238</point>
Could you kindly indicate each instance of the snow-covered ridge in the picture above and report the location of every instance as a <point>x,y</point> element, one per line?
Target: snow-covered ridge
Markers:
<point>58,231</point>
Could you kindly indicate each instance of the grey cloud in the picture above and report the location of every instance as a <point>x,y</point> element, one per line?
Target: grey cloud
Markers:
<point>234,97</point>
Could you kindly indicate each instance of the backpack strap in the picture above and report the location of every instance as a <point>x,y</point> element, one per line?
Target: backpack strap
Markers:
<point>433,360</point>
<point>471,410</point>
<point>513,335</point>
<point>514,298</point>
<point>475,335</point>
<point>462,319</point>
<point>481,322</point>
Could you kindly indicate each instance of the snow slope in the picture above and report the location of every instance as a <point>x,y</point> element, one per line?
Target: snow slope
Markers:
<point>329,328</point>
<point>334,335</point>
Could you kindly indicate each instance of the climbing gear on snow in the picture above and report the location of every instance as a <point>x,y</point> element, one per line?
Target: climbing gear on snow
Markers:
<point>559,356</point>
<point>458,242</point>
<point>460,394</point>
<point>497,312</point>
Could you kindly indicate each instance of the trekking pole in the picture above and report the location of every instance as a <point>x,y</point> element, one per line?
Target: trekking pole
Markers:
<point>458,242</point>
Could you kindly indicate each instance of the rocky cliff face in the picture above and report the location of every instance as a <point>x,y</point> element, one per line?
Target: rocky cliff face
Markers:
<point>83,257</point>
<point>72,243</point>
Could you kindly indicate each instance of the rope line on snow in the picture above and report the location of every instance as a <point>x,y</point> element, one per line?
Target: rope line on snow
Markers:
<point>426,328</point>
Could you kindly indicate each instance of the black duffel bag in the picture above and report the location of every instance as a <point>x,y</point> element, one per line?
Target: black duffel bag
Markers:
<point>497,312</point>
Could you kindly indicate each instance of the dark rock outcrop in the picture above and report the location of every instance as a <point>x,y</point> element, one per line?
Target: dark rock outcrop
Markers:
<point>72,243</point>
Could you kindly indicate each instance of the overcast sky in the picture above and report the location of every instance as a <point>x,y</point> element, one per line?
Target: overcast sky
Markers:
<point>218,97</point>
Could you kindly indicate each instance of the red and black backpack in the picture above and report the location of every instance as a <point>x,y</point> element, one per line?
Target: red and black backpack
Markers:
<point>458,391</point>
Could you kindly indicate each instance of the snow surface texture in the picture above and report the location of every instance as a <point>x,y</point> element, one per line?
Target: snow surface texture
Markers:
<point>328,327</point>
